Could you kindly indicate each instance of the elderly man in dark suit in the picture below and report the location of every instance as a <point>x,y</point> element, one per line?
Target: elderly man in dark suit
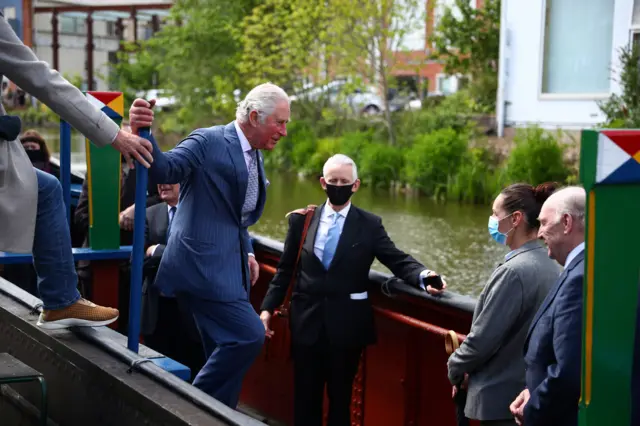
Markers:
<point>165,326</point>
<point>32,214</point>
<point>331,314</point>
<point>553,346</point>
<point>209,261</point>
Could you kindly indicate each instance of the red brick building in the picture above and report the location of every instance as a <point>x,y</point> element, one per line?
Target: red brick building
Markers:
<point>417,65</point>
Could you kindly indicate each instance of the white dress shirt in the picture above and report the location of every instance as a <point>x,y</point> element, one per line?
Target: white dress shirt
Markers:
<point>326,220</point>
<point>244,142</point>
<point>572,255</point>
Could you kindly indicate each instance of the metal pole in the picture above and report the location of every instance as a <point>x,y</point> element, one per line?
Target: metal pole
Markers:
<point>65,165</point>
<point>502,70</point>
<point>137,253</point>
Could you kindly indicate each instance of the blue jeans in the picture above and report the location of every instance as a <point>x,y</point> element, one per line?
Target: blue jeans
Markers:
<point>52,255</point>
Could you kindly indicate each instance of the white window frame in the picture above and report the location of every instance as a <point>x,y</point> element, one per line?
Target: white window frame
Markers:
<point>559,96</point>
<point>445,76</point>
<point>633,28</point>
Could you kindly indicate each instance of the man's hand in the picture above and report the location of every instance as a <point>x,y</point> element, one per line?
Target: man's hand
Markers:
<point>254,269</point>
<point>151,249</point>
<point>141,114</point>
<point>126,218</point>
<point>131,145</point>
<point>432,290</point>
<point>517,406</point>
<point>463,386</point>
<point>265,317</point>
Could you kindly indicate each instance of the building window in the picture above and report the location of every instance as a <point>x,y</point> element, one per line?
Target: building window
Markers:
<point>635,20</point>
<point>446,85</point>
<point>578,47</point>
<point>72,25</point>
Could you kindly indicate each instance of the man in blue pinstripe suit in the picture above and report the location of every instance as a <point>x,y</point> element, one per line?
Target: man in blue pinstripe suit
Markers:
<point>208,262</point>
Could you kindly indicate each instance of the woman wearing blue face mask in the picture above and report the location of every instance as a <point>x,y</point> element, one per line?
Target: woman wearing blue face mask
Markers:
<point>489,363</point>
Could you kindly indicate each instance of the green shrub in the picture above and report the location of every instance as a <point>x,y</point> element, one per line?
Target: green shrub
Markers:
<point>478,180</point>
<point>434,158</point>
<point>326,147</point>
<point>536,158</point>
<point>353,143</point>
<point>380,164</point>
<point>293,151</point>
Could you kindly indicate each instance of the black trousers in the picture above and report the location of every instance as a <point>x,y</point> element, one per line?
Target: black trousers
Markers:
<point>172,338</point>
<point>316,366</point>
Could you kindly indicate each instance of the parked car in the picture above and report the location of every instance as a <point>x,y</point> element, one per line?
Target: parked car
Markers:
<point>362,99</point>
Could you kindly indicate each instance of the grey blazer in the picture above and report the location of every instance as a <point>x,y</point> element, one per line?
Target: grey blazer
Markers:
<point>18,182</point>
<point>492,351</point>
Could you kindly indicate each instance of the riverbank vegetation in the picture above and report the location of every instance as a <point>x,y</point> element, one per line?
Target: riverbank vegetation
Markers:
<point>440,152</point>
<point>210,52</point>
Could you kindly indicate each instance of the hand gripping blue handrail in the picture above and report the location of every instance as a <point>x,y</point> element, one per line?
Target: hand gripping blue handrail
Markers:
<point>137,253</point>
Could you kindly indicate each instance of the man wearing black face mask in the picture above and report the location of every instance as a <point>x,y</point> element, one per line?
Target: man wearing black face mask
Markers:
<point>36,149</point>
<point>331,318</point>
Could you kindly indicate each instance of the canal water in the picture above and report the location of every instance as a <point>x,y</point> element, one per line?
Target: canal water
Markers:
<point>449,238</point>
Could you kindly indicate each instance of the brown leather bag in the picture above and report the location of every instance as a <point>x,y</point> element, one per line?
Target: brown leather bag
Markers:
<point>283,310</point>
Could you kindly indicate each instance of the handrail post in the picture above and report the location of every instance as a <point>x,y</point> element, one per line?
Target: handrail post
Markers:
<point>137,253</point>
<point>65,165</point>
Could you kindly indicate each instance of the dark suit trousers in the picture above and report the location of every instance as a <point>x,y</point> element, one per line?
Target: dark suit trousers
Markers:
<point>317,365</point>
<point>232,335</point>
<point>171,337</point>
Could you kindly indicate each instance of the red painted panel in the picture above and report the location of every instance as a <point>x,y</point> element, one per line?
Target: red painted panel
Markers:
<point>105,284</point>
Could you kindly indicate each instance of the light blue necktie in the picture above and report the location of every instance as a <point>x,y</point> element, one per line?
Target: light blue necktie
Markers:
<point>333,236</point>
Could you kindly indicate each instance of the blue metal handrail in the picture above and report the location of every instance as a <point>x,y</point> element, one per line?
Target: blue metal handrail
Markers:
<point>137,250</point>
<point>137,254</point>
<point>65,165</point>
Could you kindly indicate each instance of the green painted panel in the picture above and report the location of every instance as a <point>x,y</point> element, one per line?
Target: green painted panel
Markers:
<point>104,187</point>
<point>588,158</point>
<point>616,272</point>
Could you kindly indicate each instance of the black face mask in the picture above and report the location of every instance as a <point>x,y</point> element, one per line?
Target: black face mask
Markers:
<point>36,157</point>
<point>339,195</point>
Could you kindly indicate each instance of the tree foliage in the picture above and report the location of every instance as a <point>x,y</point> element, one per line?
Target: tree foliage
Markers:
<point>368,35</point>
<point>623,111</point>
<point>467,39</point>
<point>280,40</point>
<point>210,48</point>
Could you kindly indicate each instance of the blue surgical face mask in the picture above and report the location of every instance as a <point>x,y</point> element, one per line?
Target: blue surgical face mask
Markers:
<point>498,236</point>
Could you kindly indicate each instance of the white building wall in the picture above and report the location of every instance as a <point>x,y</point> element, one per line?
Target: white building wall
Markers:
<point>72,50</point>
<point>526,105</point>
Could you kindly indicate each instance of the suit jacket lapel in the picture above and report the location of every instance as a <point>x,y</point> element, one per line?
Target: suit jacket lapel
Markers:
<point>313,230</point>
<point>552,295</point>
<point>237,157</point>
<point>163,222</point>
<point>348,235</point>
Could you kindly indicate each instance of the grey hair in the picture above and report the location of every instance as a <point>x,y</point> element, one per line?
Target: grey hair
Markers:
<point>263,99</point>
<point>571,200</point>
<point>341,159</point>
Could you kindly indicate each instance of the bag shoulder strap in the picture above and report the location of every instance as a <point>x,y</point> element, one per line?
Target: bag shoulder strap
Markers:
<point>308,212</point>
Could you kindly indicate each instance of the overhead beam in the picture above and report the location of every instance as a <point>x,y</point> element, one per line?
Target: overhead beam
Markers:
<point>112,8</point>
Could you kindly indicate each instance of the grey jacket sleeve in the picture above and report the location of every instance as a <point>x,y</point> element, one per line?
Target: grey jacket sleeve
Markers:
<point>501,307</point>
<point>22,66</point>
